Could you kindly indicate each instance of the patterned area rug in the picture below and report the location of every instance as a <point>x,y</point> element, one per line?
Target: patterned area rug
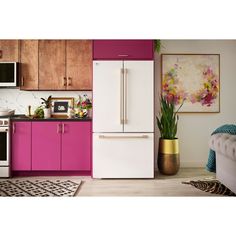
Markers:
<point>39,188</point>
<point>211,186</point>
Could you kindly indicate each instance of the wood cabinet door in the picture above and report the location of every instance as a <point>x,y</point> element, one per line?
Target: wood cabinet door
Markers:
<point>29,64</point>
<point>52,69</point>
<point>9,50</point>
<point>79,64</point>
<point>46,145</point>
<point>21,146</point>
<point>76,146</point>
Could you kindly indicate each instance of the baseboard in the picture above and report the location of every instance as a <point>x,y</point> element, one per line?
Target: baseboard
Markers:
<point>190,164</point>
<point>193,164</point>
<point>50,173</point>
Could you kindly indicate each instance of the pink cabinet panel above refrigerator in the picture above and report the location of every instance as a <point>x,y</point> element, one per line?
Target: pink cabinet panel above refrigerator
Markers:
<point>123,50</point>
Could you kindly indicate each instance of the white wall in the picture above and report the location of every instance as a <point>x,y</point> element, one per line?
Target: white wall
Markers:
<point>194,129</point>
<point>19,100</point>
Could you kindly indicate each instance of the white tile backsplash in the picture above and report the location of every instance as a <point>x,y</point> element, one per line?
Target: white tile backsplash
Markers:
<point>20,100</point>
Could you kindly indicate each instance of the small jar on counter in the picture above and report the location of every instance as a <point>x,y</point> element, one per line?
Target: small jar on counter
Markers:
<point>71,112</point>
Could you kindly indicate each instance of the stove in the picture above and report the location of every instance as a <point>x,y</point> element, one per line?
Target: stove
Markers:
<point>4,147</point>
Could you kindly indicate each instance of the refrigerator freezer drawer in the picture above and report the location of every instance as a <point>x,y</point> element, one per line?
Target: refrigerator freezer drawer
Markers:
<point>129,155</point>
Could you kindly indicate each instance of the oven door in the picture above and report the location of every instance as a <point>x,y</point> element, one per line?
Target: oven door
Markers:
<point>4,146</point>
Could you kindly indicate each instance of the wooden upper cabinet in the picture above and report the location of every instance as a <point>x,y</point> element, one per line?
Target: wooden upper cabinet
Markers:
<point>52,65</point>
<point>9,50</point>
<point>79,64</point>
<point>29,64</point>
<point>55,64</point>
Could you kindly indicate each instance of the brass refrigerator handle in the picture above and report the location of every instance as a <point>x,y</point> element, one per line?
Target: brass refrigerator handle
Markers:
<point>125,95</point>
<point>121,96</point>
<point>123,137</point>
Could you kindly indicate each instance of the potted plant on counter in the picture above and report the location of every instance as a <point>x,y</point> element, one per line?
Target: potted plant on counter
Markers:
<point>47,107</point>
<point>168,153</point>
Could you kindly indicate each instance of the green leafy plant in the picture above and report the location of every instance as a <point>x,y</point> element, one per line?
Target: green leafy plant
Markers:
<point>167,121</point>
<point>157,45</point>
<point>46,102</point>
<point>39,113</point>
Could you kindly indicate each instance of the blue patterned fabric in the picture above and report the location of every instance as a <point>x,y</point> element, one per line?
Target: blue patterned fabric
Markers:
<point>226,129</point>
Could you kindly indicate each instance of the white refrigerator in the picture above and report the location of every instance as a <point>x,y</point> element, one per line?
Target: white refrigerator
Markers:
<point>123,119</point>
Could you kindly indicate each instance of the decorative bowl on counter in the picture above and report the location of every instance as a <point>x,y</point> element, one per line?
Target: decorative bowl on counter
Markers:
<point>6,112</point>
<point>81,113</point>
<point>80,116</point>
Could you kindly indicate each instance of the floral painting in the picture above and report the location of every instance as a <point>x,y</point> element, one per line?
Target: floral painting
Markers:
<point>194,79</point>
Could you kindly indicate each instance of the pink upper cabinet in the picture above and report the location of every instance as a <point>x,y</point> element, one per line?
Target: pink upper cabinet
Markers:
<point>123,50</point>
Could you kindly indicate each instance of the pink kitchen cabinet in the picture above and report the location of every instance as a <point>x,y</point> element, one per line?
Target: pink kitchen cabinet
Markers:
<point>51,146</point>
<point>46,145</point>
<point>21,146</point>
<point>123,50</point>
<point>76,146</point>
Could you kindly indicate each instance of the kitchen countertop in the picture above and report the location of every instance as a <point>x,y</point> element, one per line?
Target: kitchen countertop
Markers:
<point>25,118</point>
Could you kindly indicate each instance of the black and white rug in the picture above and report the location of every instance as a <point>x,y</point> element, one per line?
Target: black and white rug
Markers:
<point>39,188</point>
<point>211,186</point>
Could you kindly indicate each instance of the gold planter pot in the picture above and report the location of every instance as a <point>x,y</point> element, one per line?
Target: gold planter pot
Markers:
<point>168,156</point>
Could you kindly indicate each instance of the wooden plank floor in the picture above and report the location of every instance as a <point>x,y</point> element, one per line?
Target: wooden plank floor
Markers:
<point>159,186</point>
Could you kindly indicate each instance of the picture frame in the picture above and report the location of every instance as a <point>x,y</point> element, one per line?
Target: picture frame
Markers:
<point>60,106</point>
<point>194,78</point>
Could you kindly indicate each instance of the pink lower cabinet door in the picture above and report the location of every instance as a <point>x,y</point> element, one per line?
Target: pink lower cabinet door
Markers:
<point>46,145</point>
<point>76,146</point>
<point>21,146</point>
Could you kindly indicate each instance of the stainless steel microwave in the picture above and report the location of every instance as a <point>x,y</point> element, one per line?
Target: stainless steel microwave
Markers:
<point>8,74</point>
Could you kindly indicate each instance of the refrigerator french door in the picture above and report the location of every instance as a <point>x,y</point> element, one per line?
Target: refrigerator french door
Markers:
<point>123,119</point>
